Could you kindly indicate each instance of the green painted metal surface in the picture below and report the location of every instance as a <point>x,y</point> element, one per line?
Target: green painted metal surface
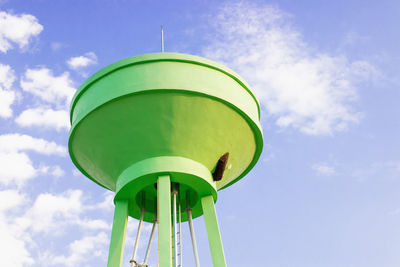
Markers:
<point>193,178</point>
<point>213,233</point>
<point>164,222</point>
<point>118,234</point>
<point>164,105</point>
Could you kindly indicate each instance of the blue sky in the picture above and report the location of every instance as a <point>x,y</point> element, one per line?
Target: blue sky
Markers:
<point>326,189</point>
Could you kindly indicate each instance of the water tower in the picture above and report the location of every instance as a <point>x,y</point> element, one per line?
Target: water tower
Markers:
<point>165,132</point>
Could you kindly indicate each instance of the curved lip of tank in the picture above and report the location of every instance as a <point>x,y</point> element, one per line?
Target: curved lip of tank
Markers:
<point>177,57</point>
<point>164,56</point>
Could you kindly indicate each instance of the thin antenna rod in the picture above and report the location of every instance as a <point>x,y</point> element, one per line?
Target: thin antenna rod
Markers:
<point>162,39</point>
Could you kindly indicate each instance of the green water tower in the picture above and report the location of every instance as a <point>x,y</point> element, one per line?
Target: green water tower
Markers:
<point>165,132</point>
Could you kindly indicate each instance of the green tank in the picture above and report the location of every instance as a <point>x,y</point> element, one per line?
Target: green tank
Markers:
<point>165,114</point>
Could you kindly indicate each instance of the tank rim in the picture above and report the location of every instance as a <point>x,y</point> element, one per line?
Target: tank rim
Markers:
<point>154,57</point>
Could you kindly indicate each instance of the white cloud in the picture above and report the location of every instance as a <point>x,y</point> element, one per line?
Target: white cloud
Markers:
<point>13,241</point>
<point>10,199</point>
<point>55,171</point>
<point>7,76</point>
<point>323,169</point>
<point>57,212</point>
<point>300,88</point>
<point>16,168</point>
<point>17,29</point>
<point>6,100</point>
<point>51,212</point>
<point>10,143</point>
<point>7,97</point>
<point>83,250</point>
<point>41,82</point>
<point>13,248</point>
<point>44,117</point>
<point>15,165</point>
<point>93,224</point>
<point>22,225</point>
<point>106,205</point>
<point>80,62</point>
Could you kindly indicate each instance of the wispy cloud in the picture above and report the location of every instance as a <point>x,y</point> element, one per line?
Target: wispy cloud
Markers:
<point>7,96</point>
<point>323,169</point>
<point>353,38</point>
<point>56,46</point>
<point>300,87</point>
<point>268,153</point>
<point>80,251</point>
<point>380,169</point>
<point>56,171</point>
<point>18,29</point>
<point>80,62</point>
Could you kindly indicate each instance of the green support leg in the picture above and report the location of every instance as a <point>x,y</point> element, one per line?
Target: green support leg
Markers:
<point>214,236</point>
<point>118,232</point>
<point>164,221</point>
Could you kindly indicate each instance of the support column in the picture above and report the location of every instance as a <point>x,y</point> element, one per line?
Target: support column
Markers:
<point>118,232</point>
<point>164,221</point>
<point>214,236</point>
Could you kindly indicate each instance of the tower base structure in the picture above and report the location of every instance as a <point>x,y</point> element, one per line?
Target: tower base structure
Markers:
<point>144,191</point>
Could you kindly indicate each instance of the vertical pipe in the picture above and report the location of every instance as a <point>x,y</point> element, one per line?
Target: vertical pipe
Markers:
<point>164,221</point>
<point>193,237</point>
<point>118,232</point>
<point>133,260</point>
<point>174,193</point>
<point>213,233</point>
<point>180,232</point>
<point>150,240</point>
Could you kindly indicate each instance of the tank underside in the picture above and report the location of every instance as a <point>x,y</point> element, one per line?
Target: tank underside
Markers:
<point>161,124</point>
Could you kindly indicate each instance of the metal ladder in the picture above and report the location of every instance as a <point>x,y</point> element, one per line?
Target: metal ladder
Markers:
<point>177,237</point>
<point>179,243</point>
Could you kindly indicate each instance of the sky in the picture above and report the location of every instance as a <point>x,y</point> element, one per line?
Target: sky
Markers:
<point>325,191</point>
